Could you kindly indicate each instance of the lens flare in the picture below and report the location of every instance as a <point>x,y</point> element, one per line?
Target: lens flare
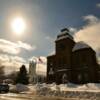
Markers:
<point>18,25</point>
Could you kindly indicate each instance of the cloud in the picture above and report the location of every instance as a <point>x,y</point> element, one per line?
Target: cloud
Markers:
<point>14,48</point>
<point>26,46</point>
<point>11,63</point>
<point>99,59</point>
<point>50,39</point>
<point>90,32</point>
<point>72,30</point>
<point>42,67</point>
<point>98,5</point>
<point>98,55</point>
<point>91,19</point>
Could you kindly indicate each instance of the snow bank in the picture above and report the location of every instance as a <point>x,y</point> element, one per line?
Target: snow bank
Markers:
<point>87,91</point>
<point>90,90</point>
<point>18,88</point>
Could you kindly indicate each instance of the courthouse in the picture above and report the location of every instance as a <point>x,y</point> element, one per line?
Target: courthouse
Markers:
<point>72,62</point>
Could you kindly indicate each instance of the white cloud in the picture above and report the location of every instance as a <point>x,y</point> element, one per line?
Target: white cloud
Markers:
<point>98,5</point>
<point>72,30</point>
<point>41,69</point>
<point>99,60</point>
<point>90,33</point>
<point>91,19</point>
<point>11,63</point>
<point>26,46</point>
<point>50,39</point>
<point>14,48</point>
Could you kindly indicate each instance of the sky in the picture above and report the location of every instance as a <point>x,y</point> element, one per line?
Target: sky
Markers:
<point>44,19</point>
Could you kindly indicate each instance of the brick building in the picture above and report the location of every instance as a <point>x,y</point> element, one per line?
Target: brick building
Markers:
<point>72,62</point>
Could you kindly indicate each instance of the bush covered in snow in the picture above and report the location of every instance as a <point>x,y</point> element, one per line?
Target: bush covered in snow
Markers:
<point>18,88</point>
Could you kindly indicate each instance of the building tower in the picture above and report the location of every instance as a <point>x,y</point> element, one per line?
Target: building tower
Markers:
<point>60,63</point>
<point>32,71</point>
<point>64,44</point>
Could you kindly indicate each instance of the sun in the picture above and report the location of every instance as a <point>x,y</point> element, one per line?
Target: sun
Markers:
<point>18,25</point>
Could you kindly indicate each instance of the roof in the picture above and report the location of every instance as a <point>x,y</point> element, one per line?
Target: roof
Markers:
<point>50,56</point>
<point>80,45</point>
<point>64,34</point>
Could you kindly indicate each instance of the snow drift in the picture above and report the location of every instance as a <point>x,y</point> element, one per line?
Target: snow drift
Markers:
<point>90,90</point>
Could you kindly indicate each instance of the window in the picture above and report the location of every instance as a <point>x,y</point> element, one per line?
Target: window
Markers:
<point>51,72</point>
<point>64,78</point>
<point>61,46</point>
<point>79,77</point>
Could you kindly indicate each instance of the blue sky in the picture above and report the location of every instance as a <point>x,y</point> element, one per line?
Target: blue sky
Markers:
<point>45,19</point>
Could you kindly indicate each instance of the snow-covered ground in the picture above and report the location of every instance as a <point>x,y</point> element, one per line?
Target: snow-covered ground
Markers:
<point>87,91</point>
<point>12,96</point>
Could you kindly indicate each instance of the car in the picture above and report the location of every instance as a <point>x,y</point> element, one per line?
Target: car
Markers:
<point>4,88</point>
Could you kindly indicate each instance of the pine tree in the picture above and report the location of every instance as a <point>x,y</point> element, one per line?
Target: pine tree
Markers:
<point>22,76</point>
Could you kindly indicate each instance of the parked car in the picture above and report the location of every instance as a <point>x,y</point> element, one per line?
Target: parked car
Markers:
<point>4,88</point>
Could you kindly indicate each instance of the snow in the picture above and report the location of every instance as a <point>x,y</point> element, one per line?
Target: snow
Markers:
<point>69,90</point>
<point>62,70</point>
<point>80,45</point>
<point>64,32</point>
<point>18,88</point>
<point>63,87</point>
<point>64,37</point>
<point>86,91</point>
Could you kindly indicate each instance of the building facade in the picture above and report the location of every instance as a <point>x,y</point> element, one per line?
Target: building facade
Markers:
<point>72,62</point>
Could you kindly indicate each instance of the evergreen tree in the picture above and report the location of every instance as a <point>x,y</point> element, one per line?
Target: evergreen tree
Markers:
<point>22,76</point>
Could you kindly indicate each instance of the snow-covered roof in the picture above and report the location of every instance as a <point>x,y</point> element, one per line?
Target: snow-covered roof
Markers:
<point>64,34</point>
<point>64,37</point>
<point>80,45</point>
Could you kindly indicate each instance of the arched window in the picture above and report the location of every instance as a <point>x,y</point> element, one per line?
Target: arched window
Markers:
<point>51,72</point>
<point>80,77</point>
<point>64,78</point>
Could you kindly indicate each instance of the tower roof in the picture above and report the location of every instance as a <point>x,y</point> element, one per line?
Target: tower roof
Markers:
<point>64,34</point>
<point>80,45</point>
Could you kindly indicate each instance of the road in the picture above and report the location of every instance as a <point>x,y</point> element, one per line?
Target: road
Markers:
<point>11,96</point>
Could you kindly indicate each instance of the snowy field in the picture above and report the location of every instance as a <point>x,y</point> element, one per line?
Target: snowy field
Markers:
<point>88,91</point>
